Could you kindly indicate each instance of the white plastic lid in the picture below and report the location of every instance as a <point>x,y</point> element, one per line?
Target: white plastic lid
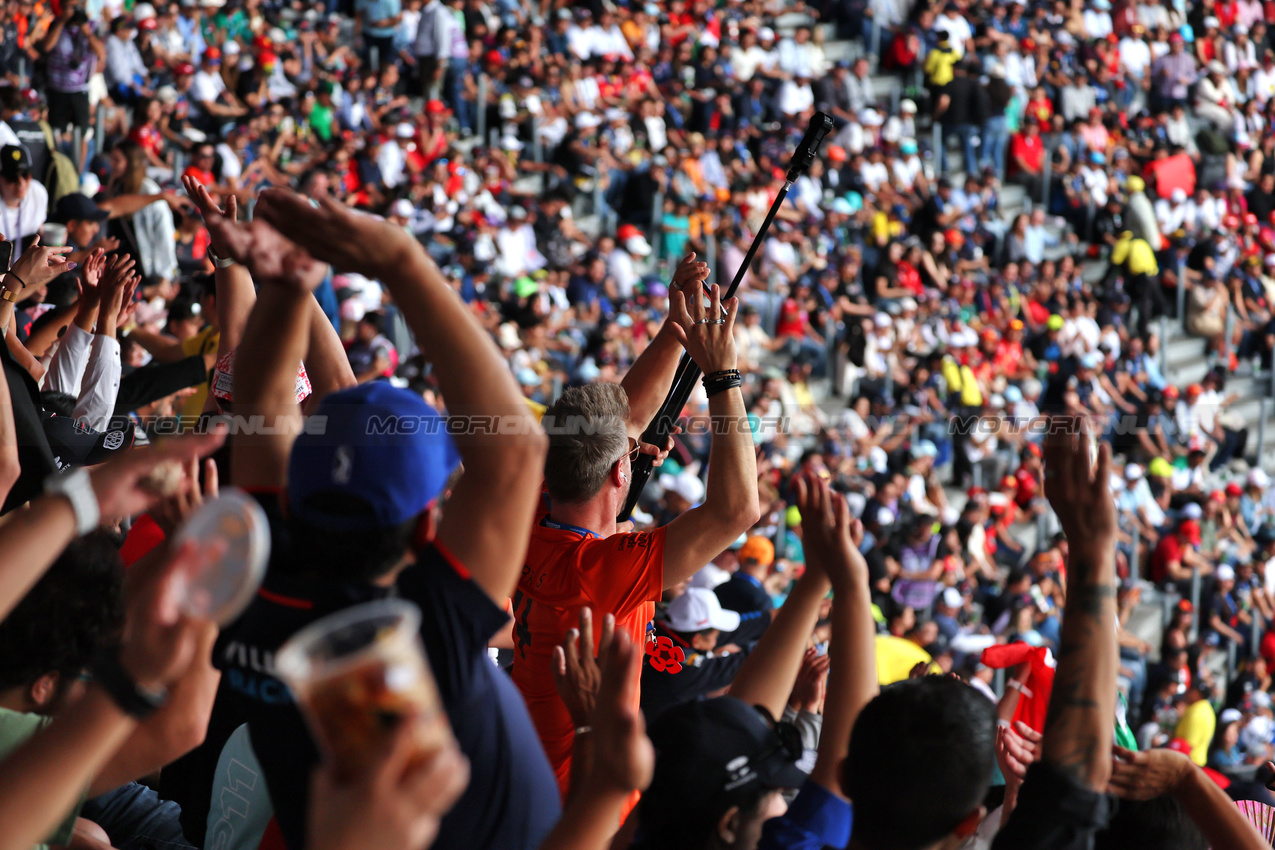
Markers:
<point>222,588</point>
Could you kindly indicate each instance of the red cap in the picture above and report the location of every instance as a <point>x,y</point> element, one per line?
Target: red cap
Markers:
<point>1009,481</point>
<point>1193,390</point>
<point>147,24</point>
<point>212,53</point>
<point>836,153</point>
<point>975,492</point>
<point>1033,450</point>
<point>184,69</point>
<point>626,231</point>
<point>1230,222</point>
<point>1217,496</point>
<point>1170,391</point>
<point>1176,38</point>
<point>1190,529</point>
<point>494,57</point>
<point>1185,605</point>
<point>1250,218</point>
<point>1234,489</point>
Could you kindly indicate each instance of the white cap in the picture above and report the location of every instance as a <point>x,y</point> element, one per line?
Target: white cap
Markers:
<point>230,48</point>
<point>510,143</point>
<point>907,105</point>
<point>881,320</point>
<point>698,609</point>
<point>709,577</point>
<point>1224,573</point>
<point>1133,472</point>
<point>907,303</point>
<point>885,516</point>
<point>615,114</point>
<point>925,448</point>
<point>684,484</point>
<point>765,34</point>
<point>1178,196</point>
<point>1192,510</point>
<point>1230,715</point>
<point>143,11</point>
<point>404,130</point>
<point>952,598</point>
<point>402,208</point>
<point>167,94</point>
<point>587,120</point>
<point>637,245</point>
<point>1258,478</point>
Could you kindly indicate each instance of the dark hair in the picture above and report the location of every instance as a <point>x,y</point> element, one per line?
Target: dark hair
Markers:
<point>662,829</point>
<point>70,613</point>
<point>1156,824</point>
<point>347,555</point>
<point>920,762</point>
<point>63,404</point>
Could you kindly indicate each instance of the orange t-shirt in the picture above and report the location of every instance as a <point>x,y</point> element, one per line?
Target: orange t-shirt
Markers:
<point>568,568</point>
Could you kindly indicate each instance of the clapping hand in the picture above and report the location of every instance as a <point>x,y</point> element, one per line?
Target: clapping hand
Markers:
<point>831,538</point>
<point>333,233</point>
<point>812,683</point>
<point>576,671</point>
<point>623,757</point>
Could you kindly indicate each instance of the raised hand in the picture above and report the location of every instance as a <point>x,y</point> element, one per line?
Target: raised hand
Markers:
<point>831,538</point>
<point>39,264</point>
<point>688,271</point>
<point>623,757</point>
<point>1017,748</point>
<point>811,688</point>
<point>1145,775</point>
<point>334,233</point>
<point>1078,490</point>
<point>268,255</point>
<point>169,513</point>
<point>204,202</point>
<point>91,272</point>
<point>138,480</point>
<point>707,336</point>
<point>396,805</point>
<point>576,672</point>
<point>159,641</point>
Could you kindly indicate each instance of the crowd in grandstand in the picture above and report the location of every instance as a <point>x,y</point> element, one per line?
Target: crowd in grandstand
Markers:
<point>963,540</point>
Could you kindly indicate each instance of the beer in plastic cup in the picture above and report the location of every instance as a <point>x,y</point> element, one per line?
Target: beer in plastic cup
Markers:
<point>356,674</point>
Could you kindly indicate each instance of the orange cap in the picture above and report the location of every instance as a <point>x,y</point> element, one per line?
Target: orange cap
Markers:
<point>759,549</point>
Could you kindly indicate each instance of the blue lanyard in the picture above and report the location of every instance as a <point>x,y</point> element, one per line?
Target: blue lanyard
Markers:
<point>560,526</point>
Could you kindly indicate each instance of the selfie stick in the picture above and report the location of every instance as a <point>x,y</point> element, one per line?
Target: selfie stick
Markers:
<point>657,433</point>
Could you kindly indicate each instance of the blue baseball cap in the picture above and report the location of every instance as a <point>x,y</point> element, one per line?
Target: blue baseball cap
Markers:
<point>380,444</point>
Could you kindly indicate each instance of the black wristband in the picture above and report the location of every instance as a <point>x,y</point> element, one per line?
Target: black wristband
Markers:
<point>123,691</point>
<point>724,373</point>
<point>14,275</point>
<point>720,385</point>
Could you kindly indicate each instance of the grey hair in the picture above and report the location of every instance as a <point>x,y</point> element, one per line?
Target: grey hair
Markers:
<point>587,435</point>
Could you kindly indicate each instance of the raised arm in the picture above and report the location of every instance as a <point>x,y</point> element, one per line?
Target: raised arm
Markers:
<point>491,508</point>
<point>43,778</point>
<point>730,504</point>
<point>1082,708</point>
<point>767,677</point>
<point>236,294</point>
<point>832,539</point>
<point>274,342</point>
<point>651,376</point>
<point>1150,774</point>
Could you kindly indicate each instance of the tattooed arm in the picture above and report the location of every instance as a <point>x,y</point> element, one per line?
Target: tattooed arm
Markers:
<point>1082,708</point>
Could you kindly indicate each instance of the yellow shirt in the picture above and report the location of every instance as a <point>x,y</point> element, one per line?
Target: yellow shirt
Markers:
<point>1196,727</point>
<point>938,66</point>
<point>203,343</point>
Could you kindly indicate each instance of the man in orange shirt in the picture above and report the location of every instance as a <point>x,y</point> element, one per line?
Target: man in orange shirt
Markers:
<point>577,556</point>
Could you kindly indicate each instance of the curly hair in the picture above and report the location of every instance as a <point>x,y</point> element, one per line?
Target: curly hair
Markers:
<point>70,613</point>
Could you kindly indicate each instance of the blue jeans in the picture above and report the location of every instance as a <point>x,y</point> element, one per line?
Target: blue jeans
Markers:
<point>136,819</point>
<point>453,93</point>
<point>967,133</point>
<point>995,143</point>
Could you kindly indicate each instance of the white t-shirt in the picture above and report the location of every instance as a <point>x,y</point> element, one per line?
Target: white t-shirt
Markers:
<point>26,219</point>
<point>206,87</point>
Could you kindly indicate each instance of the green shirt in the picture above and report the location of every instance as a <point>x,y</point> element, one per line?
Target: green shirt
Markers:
<point>15,728</point>
<point>321,119</point>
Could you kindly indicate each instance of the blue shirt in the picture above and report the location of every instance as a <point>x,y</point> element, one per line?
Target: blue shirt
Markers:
<point>816,819</point>
<point>378,10</point>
